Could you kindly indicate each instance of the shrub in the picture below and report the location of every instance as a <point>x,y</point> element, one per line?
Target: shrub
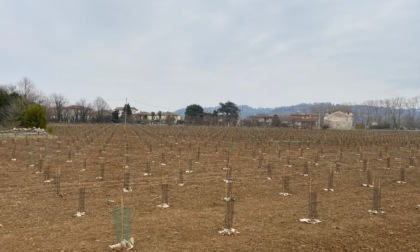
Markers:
<point>35,117</point>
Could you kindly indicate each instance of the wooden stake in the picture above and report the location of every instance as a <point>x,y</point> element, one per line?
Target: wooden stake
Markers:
<point>122,216</point>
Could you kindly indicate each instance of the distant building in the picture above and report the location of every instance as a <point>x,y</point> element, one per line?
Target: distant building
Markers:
<point>304,121</point>
<point>155,118</point>
<point>121,110</point>
<point>339,120</point>
<point>169,117</point>
<point>261,119</point>
<point>142,116</point>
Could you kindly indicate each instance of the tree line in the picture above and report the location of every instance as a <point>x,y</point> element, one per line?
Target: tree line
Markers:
<point>227,114</point>
<point>390,113</point>
<point>22,105</point>
<point>16,99</point>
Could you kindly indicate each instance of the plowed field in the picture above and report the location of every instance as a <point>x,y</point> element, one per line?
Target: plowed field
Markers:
<point>34,218</point>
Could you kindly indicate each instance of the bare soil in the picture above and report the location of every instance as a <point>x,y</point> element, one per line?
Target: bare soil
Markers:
<point>34,218</point>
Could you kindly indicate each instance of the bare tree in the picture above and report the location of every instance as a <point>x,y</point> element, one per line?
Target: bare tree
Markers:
<point>377,111</point>
<point>386,105</point>
<point>68,115</point>
<point>320,109</point>
<point>58,101</point>
<point>27,89</point>
<point>85,109</point>
<point>397,109</point>
<point>367,112</point>
<point>101,107</point>
<point>10,88</point>
<point>411,105</point>
<point>416,110</point>
<point>170,119</point>
<point>41,99</point>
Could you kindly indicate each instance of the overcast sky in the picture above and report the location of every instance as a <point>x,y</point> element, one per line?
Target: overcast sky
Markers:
<point>165,55</point>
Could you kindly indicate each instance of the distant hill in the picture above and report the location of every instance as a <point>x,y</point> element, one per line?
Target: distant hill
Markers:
<point>247,111</point>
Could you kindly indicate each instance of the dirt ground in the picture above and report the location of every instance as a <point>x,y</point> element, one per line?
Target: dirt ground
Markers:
<point>34,218</point>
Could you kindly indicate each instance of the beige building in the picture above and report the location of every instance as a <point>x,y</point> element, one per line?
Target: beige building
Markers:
<point>155,118</point>
<point>121,110</point>
<point>339,120</point>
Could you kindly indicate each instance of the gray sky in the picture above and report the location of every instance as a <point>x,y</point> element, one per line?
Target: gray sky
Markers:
<point>165,55</point>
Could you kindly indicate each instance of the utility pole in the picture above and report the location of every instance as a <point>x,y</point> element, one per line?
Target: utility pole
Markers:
<point>125,112</point>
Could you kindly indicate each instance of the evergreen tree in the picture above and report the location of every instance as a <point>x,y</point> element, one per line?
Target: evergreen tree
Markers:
<point>275,121</point>
<point>115,116</point>
<point>194,114</point>
<point>230,111</point>
<point>127,109</point>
